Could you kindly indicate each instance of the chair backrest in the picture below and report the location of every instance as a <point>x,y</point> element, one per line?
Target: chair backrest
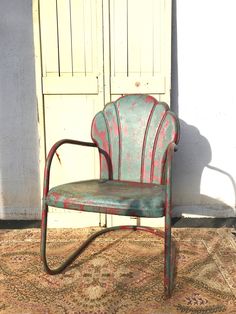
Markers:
<point>133,134</point>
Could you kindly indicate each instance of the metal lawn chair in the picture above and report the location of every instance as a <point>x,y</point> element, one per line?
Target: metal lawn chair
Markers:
<point>135,137</point>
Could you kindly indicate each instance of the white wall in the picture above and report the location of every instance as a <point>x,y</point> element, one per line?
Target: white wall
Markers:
<point>19,174</point>
<point>204,69</point>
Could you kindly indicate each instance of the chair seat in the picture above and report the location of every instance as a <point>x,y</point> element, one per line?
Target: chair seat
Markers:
<point>111,197</point>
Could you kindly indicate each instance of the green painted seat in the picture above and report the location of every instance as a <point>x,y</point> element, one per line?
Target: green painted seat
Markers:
<point>135,137</point>
<point>110,197</point>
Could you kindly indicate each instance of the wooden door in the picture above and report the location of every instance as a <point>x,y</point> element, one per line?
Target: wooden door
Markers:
<point>139,58</point>
<point>140,40</point>
<point>72,81</point>
<point>91,52</point>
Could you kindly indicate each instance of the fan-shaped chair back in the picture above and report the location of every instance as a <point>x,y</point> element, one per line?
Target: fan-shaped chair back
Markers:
<point>133,134</point>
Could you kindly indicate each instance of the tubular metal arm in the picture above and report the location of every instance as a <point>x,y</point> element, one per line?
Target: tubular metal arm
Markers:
<point>45,207</point>
<point>51,155</point>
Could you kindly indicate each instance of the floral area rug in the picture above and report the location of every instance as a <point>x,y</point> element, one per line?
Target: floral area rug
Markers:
<point>120,272</point>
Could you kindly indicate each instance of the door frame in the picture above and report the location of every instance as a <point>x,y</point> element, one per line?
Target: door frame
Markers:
<point>39,89</point>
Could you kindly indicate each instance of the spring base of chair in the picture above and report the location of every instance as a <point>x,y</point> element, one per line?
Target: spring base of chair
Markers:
<point>168,269</point>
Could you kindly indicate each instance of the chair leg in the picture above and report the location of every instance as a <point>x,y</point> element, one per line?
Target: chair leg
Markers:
<point>79,250</point>
<point>44,238</point>
<point>74,255</point>
<point>168,261</point>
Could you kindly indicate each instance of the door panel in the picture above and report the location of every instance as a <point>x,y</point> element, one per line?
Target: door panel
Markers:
<point>70,116</point>
<point>70,85</point>
<point>72,80</point>
<point>71,43</point>
<point>140,57</point>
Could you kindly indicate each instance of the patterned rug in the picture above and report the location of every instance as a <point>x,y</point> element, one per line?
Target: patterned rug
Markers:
<point>120,272</point>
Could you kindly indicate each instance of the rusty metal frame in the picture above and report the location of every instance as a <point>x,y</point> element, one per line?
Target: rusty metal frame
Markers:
<point>169,249</point>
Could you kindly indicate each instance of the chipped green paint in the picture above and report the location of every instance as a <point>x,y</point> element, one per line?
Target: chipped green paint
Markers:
<point>111,197</point>
<point>138,130</point>
<point>152,130</point>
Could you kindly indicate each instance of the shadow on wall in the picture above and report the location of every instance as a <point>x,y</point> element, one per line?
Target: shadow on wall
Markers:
<point>193,156</point>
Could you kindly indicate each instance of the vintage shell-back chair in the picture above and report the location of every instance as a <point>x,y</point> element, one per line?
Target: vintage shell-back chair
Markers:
<point>135,136</point>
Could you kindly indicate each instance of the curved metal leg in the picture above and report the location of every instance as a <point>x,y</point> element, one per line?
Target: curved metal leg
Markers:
<point>168,272</point>
<point>75,254</point>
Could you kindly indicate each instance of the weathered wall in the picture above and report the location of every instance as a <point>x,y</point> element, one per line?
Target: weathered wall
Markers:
<point>19,174</point>
<point>204,67</point>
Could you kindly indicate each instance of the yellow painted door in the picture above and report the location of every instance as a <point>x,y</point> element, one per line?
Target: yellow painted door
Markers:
<point>93,51</point>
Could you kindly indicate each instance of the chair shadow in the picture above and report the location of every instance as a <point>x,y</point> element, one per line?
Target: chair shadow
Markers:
<point>193,156</point>
<point>84,260</point>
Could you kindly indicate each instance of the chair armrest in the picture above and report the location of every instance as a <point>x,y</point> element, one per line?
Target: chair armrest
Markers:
<point>50,157</point>
<point>172,147</point>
